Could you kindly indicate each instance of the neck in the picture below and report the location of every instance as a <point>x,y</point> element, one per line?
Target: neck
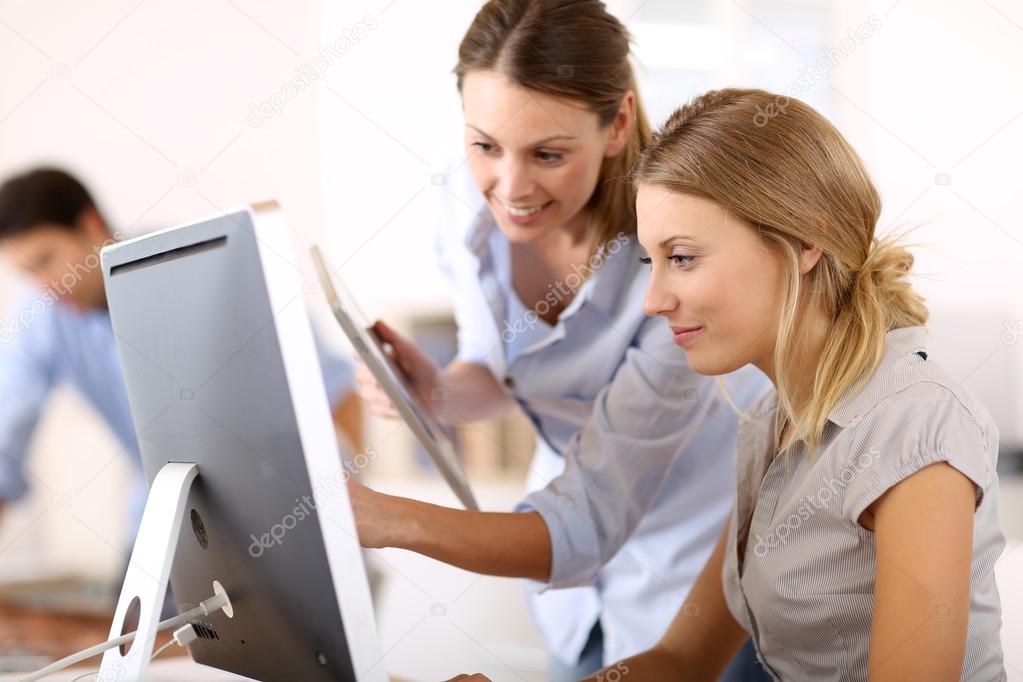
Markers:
<point>814,334</point>
<point>560,248</point>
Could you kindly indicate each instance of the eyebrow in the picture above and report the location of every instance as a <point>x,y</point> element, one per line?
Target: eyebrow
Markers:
<point>534,144</point>
<point>677,237</point>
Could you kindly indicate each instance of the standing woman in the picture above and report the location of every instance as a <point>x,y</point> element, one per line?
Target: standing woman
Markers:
<point>632,476</point>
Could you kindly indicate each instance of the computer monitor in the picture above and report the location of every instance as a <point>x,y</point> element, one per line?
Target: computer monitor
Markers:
<point>221,372</point>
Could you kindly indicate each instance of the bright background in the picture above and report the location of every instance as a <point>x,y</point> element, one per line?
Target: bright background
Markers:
<point>152,104</point>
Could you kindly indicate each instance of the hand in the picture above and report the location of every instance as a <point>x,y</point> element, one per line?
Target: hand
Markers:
<point>419,368</point>
<point>378,518</point>
<point>476,677</point>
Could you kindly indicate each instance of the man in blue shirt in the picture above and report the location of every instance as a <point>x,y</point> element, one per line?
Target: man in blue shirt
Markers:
<point>52,231</point>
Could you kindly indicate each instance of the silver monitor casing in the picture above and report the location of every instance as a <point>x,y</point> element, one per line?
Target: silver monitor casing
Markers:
<point>221,371</point>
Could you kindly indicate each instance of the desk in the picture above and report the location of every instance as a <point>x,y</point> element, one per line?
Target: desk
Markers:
<point>171,670</point>
<point>58,635</point>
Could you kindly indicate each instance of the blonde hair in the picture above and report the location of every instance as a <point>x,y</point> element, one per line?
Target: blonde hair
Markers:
<point>778,164</point>
<point>576,50</point>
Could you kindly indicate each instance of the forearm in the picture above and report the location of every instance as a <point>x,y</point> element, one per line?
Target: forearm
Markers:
<point>653,664</point>
<point>469,392</point>
<point>512,545</point>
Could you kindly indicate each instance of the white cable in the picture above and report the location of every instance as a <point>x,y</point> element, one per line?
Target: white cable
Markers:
<point>209,606</point>
<point>183,636</point>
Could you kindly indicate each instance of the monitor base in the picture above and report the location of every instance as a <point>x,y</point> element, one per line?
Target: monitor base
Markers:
<point>145,584</point>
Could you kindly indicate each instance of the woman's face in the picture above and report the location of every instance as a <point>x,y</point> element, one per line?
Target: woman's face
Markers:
<point>713,278</point>
<point>535,158</point>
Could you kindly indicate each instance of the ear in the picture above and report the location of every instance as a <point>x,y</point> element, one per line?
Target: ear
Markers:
<point>808,257</point>
<point>622,124</point>
<point>90,224</point>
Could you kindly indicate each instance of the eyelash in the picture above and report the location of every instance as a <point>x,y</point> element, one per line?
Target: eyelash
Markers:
<point>678,259</point>
<point>544,156</point>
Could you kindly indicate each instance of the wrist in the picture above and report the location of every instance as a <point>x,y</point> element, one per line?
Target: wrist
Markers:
<point>408,528</point>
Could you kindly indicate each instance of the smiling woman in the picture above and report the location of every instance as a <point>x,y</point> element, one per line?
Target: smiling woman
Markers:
<point>631,481</point>
<point>589,125</point>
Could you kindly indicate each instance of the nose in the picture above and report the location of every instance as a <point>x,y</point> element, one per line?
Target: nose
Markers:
<point>515,181</point>
<point>659,300</point>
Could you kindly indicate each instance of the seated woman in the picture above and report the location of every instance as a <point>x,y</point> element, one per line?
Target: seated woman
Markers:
<point>865,533</point>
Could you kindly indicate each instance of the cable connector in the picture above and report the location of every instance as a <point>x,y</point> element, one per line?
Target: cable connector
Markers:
<point>185,635</point>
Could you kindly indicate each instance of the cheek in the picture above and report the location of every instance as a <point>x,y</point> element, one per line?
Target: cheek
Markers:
<point>482,170</point>
<point>757,302</point>
<point>575,182</point>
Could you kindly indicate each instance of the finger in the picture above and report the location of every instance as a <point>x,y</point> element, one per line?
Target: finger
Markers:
<point>402,350</point>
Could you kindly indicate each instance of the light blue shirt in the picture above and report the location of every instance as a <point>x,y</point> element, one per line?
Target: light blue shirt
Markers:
<point>635,466</point>
<point>46,343</point>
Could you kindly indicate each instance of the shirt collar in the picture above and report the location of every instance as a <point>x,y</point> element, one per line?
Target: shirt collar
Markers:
<point>900,345</point>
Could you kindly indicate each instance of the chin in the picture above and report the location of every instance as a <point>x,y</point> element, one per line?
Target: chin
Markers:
<point>523,234</point>
<point>712,366</point>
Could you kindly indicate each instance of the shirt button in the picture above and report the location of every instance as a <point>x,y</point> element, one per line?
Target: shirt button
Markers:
<point>509,382</point>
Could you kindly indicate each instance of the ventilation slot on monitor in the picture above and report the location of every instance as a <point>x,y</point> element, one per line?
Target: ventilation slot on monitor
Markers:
<point>172,254</point>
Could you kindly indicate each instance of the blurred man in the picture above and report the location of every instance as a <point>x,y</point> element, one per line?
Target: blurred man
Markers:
<point>52,231</point>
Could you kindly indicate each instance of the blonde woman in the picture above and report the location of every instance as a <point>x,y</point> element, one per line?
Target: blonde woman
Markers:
<point>865,534</point>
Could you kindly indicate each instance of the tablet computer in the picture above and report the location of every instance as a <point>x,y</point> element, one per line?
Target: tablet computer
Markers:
<point>428,430</point>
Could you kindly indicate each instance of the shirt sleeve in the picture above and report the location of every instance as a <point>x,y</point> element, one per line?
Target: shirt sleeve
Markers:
<point>615,465</point>
<point>27,374</point>
<point>921,425</point>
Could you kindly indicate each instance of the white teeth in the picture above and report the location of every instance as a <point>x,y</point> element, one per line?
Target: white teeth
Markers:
<point>523,212</point>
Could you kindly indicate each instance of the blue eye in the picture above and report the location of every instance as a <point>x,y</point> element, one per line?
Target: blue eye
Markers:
<point>548,157</point>
<point>679,260</point>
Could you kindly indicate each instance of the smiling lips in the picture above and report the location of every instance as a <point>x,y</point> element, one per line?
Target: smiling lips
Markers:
<point>683,335</point>
<point>524,214</point>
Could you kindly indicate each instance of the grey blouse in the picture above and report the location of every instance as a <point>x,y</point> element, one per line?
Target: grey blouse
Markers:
<point>803,586</point>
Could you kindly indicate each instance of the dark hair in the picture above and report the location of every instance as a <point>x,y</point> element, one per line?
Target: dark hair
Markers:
<point>42,196</point>
<point>577,50</point>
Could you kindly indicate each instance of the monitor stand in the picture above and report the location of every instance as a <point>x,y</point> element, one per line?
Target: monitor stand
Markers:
<point>145,584</point>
